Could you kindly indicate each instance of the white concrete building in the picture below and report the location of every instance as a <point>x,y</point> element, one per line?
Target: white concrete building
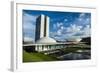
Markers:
<point>42,27</point>
<point>42,34</point>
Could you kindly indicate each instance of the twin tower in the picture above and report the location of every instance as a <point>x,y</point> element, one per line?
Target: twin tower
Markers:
<point>42,30</point>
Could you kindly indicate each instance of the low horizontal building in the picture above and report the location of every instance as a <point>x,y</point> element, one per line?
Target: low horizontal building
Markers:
<point>46,46</point>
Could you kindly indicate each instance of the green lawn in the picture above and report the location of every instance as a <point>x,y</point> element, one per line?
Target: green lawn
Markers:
<point>36,57</point>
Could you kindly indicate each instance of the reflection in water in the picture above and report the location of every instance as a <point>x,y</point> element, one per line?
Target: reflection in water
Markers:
<point>78,55</point>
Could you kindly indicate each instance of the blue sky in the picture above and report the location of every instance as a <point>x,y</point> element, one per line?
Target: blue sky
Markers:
<point>63,25</point>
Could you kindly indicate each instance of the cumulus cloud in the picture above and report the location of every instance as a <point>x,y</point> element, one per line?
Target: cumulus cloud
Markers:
<point>82,15</point>
<point>27,39</point>
<point>77,28</point>
<point>80,31</point>
<point>87,31</point>
<point>29,22</point>
<point>73,31</point>
<point>83,19</point>
<point>59,32</point>
<point>62,27</point>
<point>29,18</point>
<point>57,25</point>
<point>65,20</point>
<point>73,28</point>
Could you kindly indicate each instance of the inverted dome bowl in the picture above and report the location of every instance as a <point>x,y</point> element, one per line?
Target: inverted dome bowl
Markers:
<point>75,40</point>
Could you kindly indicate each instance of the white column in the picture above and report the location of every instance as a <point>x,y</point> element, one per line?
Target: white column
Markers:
<point>35,47</point>
<point>40,47</point>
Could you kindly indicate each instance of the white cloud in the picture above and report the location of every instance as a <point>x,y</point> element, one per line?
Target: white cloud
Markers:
<point>62,27</point>
<point>83,19</point>
<point>29,21</point>
<point>65,20</point>
<point>73,31</point>
<point>73,28</point>
<point>82,15</point>
<point>59,32</point>
<point>87,31</point>
<point>88,19</point>
<point>79,28</point>
<point>80,19</point>
<point>29,18</point>
<point>82,31</point>
<point>29,25</point>
<point>27,39</point>
<point>59,24</point>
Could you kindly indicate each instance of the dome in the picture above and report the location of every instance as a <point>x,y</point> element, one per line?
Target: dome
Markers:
<point>45,40</point>
<point>75,40</point>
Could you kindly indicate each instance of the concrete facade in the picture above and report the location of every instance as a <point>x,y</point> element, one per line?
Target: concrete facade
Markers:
<point>42,33</point>
<point>42,27</point>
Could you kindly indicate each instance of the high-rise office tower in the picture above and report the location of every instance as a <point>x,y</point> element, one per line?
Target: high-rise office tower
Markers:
<point>42,27</point>
<point>42,30</point>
